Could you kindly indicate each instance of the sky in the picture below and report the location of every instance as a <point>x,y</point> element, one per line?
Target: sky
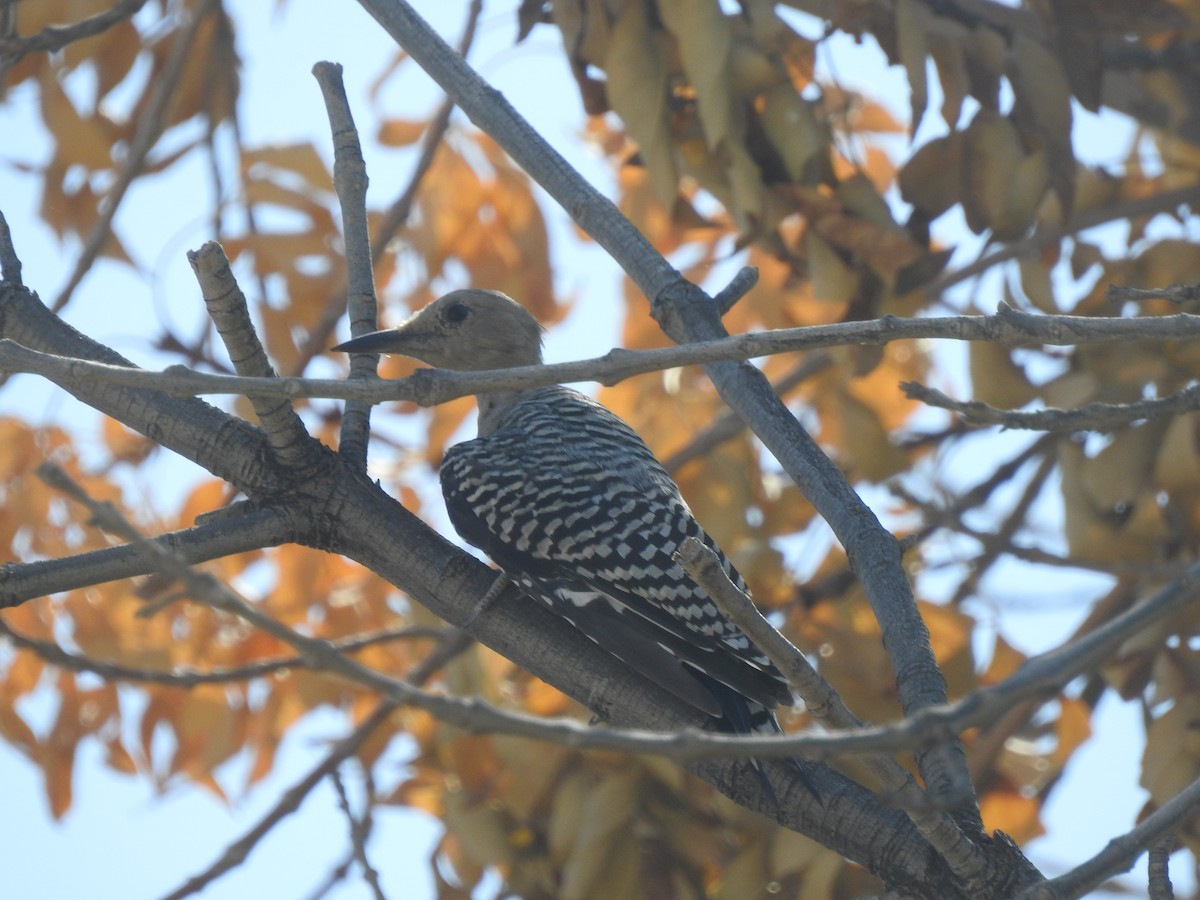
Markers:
<point>120,839</point>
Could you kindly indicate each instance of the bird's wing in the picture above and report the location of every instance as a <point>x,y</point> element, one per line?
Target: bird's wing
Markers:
<point>574,529</point>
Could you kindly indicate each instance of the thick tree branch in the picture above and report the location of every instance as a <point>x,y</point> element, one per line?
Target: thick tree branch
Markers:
<point>339,510</point>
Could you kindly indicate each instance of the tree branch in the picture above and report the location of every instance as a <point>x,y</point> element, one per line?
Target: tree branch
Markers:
<point>397,214</point>
<point>1122,852</point>
<point>189,678</point>
<point>1089,417</point>
<point>226,305</point>
<point>350,181</point>
<point>236,853</point>
<point>942,832</point>
<point>54,37</point>
<point>149,127</point>
<point>1008,327</point>
<point>251,529</point>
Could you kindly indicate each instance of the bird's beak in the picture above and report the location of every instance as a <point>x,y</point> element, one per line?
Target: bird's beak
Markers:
<point>391,340</point>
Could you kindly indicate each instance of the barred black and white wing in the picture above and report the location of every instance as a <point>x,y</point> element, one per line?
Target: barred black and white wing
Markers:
<point>568,500</point>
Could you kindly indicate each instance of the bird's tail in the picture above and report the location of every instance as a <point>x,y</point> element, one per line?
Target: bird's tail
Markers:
<point>741,715</point>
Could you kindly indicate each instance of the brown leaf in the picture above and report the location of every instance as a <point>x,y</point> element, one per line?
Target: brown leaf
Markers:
<point>80,140</point>
<point>1011,812</point>
<point>1043,106</point>
<point>299,158</point>
<point>606,814</point>
<point>1171,760</point>
<point>705,42</point>
<point>932,179</point>
<point>913,50</point>
<point>948,51</point>
<point>832,277</point>
<point>401,132</point>
<point>637,88</point>
<point>1004,185</point>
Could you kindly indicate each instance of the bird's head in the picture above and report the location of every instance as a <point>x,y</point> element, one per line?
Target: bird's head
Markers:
<point>466,330</point>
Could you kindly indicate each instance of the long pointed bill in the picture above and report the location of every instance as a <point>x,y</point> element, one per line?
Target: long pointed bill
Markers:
<point>387,341</point>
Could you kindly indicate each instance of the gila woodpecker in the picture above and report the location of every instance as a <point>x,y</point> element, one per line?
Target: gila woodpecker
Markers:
<point>575,509</point>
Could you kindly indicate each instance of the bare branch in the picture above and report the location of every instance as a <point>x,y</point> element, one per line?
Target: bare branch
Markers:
<point>428,387</point>
<point>149,127</point>
<point>360,831</point>
<point>226,305</point>
<point>1122,852</point>
<point>1176,293</point>
<point>1046,236</point>
<point>728,425</point>
<point>1089,417</point>
<point>55,37</point>
<point>350,181</point>
<point>189,678</point>
<point>1159,869</point>
<point>996,543</point>
<point>10,263</point>
<point>252,529</point>
<point>742,284</point>
<point>397,214</point>
<point>942,832</point>
<point>237,852</point>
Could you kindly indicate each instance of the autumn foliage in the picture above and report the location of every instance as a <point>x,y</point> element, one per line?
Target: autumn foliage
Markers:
<point>729,136</point>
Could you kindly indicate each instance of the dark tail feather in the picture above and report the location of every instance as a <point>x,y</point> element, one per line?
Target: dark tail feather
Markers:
<point>742,716</point>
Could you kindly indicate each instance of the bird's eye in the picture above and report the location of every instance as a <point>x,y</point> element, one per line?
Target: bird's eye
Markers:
<point>456,313</point>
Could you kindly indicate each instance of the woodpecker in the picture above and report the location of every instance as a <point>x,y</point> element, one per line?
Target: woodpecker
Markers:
<point>576,510</point>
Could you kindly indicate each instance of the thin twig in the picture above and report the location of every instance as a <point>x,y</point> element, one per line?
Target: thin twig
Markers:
<point>235,854</point>
<point>997,543</point>
<point>1176,293</point>
<point>728,424</point>
<point>1046,236</point>
<point>189,678</point>
<point>1159,869</point>
<point>1089,417</point>
<point>742,284</point>
<point>149,127</point>
<point>1121,852</point>
<point>55,37</point>
<point>428,387</point>
<point>337,874</point>
<point>397,214</point>
<point>360,832</point>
